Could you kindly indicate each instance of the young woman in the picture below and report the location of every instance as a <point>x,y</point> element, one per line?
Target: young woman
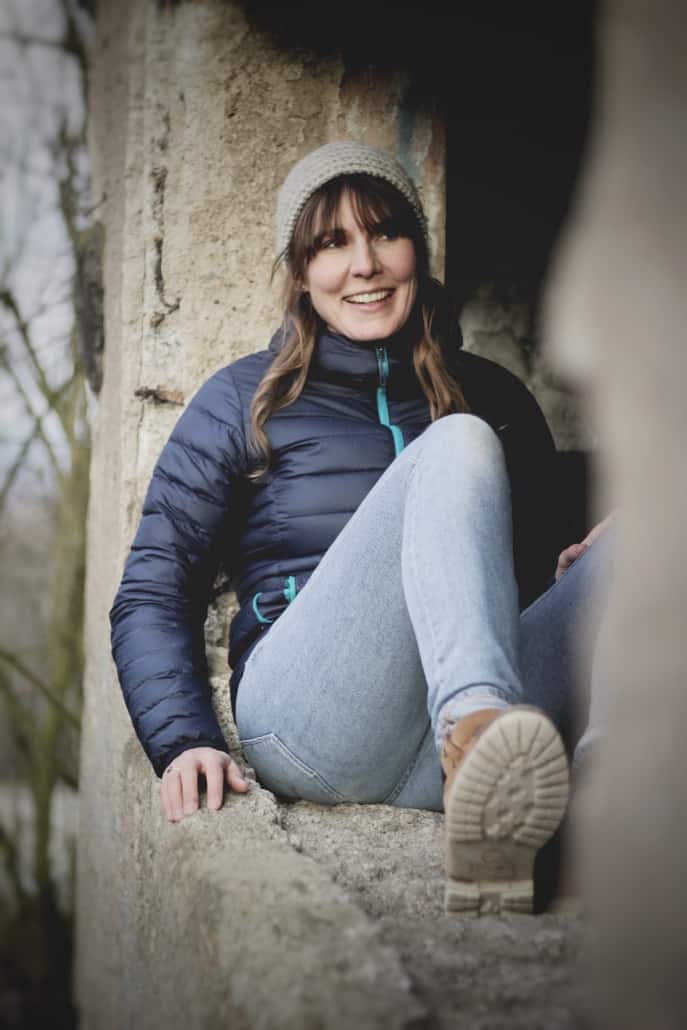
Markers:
<point>382,501</point>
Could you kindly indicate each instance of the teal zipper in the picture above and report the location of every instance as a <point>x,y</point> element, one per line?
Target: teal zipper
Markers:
<point>290,588</point>
<point>382,401</point>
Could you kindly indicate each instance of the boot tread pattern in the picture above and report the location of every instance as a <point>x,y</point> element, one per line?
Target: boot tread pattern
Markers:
<point>506,801</point>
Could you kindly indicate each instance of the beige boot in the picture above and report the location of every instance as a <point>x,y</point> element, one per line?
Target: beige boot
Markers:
<point>506,792</point>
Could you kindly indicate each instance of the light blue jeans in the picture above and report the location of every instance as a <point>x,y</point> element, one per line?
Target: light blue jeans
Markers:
<point>409,622</point>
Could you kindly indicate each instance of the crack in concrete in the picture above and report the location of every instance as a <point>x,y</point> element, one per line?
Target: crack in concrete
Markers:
<point>160,395</point>
<point>428,1020</point>
<point>159,178</point>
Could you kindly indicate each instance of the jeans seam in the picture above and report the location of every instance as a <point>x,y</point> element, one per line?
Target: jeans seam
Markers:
<point>302,766</point>
<point>429,623</point>
<point>390,798</point>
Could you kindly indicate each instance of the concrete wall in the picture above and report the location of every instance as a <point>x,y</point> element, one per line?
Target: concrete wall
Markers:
<point>505,332</point>
<point>195,120</point>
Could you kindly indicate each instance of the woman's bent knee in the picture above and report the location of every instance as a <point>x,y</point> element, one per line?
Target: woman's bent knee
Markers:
<point>463,429</point>
<point>464,441</point>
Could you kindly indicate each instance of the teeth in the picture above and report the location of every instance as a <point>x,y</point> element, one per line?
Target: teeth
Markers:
<point>368,298</point>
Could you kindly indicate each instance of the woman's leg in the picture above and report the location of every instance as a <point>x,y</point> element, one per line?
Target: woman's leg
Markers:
<point>413,605</point>
<point>561,678</point>
<point>556,675</point>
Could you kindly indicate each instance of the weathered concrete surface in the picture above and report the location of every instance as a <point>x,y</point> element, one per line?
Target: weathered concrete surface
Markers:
<point>504,330</point>
<point>512,972</point>
<point>515,973</point>
<point>617,315</point>
<point>387,859</point>
<point>228,925</point>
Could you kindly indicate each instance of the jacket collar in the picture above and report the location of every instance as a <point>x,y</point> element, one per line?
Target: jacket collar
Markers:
<point>346,362</point>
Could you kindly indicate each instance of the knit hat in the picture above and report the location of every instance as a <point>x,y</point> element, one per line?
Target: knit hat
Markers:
<point>344,157</point>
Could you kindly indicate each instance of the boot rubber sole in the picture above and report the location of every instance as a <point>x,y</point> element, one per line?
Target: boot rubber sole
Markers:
<point>507,799</point>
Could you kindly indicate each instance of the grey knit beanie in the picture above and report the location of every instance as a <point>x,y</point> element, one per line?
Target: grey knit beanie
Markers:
<point>333,159</point>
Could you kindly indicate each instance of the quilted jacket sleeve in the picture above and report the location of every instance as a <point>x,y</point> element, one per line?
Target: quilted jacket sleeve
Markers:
<point>158,613</point>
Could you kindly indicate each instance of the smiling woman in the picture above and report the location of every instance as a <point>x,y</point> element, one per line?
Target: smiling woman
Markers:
<point>379,498</point>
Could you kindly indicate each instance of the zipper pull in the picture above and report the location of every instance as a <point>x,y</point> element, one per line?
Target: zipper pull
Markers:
<point>289,590</point>
<point>382,365</point>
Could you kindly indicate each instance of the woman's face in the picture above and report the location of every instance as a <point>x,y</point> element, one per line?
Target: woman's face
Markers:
<point>362,284</point>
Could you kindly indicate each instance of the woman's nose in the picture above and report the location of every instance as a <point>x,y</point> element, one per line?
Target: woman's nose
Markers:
<point>364,261</point>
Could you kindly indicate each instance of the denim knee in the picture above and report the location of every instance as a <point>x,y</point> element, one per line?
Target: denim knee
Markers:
<point>466,431</point>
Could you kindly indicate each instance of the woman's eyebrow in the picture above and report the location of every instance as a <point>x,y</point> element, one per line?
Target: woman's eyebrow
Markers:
<point>334,230</point>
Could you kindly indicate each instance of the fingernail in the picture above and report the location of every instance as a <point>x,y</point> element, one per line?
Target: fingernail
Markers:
<point>178,813</point>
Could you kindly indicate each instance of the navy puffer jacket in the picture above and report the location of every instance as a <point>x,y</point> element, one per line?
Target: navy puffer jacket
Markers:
<point>361,405</point>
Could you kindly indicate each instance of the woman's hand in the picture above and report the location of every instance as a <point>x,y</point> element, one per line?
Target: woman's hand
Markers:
<point>572,553</point>
<point>180,780</point>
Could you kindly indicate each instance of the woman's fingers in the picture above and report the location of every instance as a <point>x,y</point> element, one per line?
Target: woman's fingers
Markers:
<point>235,778</point>
<point>568,556</point>
<point>189,786</point>
<point>214,777</point>
<point>180,794</point>
<point>171,793</point>
<point>215,774</point>
<point>165,799</point>
<point>180,785</point>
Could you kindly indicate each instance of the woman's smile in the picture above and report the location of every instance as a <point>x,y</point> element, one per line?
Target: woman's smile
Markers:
<point>371,301</point>
<point>370,297</point>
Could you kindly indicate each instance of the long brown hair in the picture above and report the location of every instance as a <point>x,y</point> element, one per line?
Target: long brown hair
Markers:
<point>374,201</point>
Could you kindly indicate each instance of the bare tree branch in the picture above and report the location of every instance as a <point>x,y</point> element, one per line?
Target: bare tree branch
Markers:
<point>74,44</point>
<point>26,39</point>
<point>11,859</point>
<point>46,691</point>
<point>38,430</point>
<point>18,464</point>
<point>8,300</point>
<point>22,720</point>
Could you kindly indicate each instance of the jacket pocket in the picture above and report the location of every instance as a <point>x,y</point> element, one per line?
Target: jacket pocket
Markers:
<point>286,775</point>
